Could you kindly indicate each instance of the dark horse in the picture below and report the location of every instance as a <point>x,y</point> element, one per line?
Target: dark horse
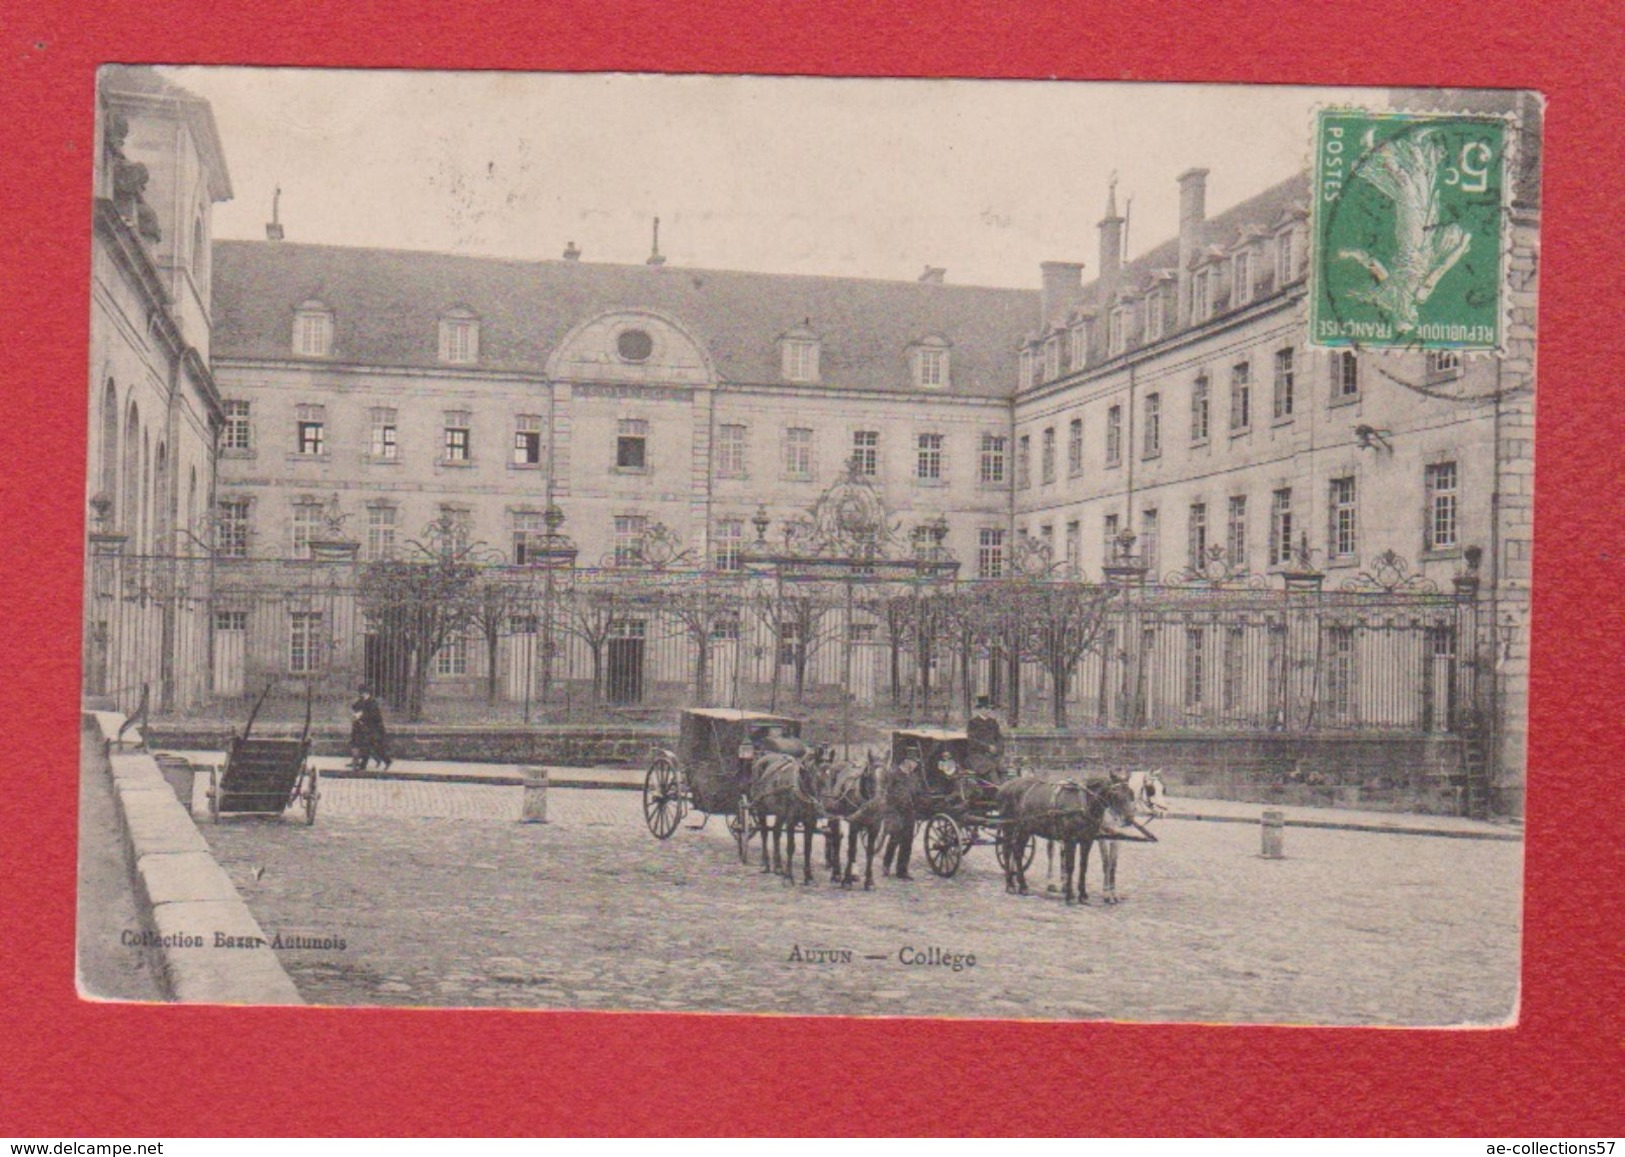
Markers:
<point>874,800</point>
<point>1066,811</point>
<point>786,788</point>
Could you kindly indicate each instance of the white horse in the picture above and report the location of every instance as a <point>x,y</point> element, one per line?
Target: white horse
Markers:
<point>1150,794</point>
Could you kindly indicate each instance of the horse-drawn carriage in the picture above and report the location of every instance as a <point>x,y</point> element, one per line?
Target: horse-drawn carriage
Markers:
<point>710,770</point>
<point>957,807</point>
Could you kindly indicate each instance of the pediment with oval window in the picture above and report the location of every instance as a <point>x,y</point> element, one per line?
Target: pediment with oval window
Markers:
<point>632,346</point>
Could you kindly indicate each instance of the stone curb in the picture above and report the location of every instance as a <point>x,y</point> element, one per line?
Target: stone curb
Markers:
<point>213,950</point>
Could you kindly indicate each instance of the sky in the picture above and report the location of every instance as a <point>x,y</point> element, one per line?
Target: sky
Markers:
<point>856,178</point>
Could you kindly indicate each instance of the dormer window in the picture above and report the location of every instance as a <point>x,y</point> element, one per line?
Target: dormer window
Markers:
<point>798,353</point>
<point>459,338</point>
<point>313,330</point>
<point>1242,268</point>
<point>1078,344</point>
<point>1201,296</point>
<point>1029,368</point>
<point>1052,358</point>
<point>1286,259</point>
<point>1155,311</point>
<point>1120,326</point>
<point>930,363</point>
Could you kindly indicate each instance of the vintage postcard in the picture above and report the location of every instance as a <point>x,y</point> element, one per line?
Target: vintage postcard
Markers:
<point>851,547</point>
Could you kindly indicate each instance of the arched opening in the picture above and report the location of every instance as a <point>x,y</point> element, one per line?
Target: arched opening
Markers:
<point>143,531</point>
<point>130,491</point>
<point>161,515</point>
<point>109,453</point>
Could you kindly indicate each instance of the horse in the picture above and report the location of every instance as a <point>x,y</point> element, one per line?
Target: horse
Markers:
<point>1149,793</point>
<point>1065,811</point>
<point>787,789</point>
<point>874,800</point>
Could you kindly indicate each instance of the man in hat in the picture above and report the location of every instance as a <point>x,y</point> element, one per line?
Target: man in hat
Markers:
<point>984,755</point>
<point>368,739</point>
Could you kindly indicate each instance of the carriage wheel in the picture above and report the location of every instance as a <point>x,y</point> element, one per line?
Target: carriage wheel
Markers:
<point>944,845</point>
<point>311,796</point>
<point>662,798</point>
<point>739,826</point>
<point>1028,847</point>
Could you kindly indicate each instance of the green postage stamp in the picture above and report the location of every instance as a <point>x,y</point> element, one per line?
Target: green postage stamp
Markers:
<point>1409,214</point>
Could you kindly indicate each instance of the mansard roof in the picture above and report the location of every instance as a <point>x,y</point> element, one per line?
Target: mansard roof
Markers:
<point>387,304</point>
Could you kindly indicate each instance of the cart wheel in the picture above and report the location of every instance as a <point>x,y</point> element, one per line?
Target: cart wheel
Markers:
<point>944,845</point>
<point>1028,847</point>
<point>739,826</point>
<point>214,795</point>
<point>311,796</point>
<point>662,797</point>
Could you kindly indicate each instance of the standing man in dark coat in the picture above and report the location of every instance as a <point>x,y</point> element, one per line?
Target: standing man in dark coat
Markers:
<point>368,739</point>
<point>985,754</point>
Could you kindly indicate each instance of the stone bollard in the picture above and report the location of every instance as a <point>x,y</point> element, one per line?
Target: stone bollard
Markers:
<point>1274,833</point>
<point>535,806</point>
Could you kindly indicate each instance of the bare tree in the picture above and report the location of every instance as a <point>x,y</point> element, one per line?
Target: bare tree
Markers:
<point>701,610</point>
<point>494,602</point>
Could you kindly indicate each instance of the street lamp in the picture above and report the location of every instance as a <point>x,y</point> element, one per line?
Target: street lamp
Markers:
<point>555,552</point>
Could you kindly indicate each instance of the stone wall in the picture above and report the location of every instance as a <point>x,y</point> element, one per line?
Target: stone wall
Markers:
<point>1373,773</point>
<point>553,746</point>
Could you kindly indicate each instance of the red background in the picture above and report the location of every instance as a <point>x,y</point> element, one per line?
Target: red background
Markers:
<point>69,1068</point>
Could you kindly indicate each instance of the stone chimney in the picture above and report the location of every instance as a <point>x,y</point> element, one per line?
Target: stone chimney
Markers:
<point>273,228</point>
<point>933,275</point>
<point>1062,282</point>
<point>1192,212</point>
<point>1111,234</point>
<point>571,253</point>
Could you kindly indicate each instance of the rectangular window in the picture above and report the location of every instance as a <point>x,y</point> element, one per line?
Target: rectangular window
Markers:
<point>990,553</point>
<point>1117,331</point>
<point>632,444</point>
<point>866,452</point>
<point>459,523</point>
<point>380,532</point>
<point>629,535</point>
<point>1052,358</point>
<point>800,360</point>
<point>1281,527</point>
<point>1342,536</point>
<point>527,440</point>
<point>1074,548</point>
<point>933,367</point>
<point>1345,375</point>
<point>1201,408</point>
<point>231,620</point>
<point>304,642</point>
<point>1114,436</point>
<point>731,451</point>
<point>383,443</point>
<point>459,447</point>
<point>1443,365</point>
<point>1153,425</point>
<point>1199,297</point>
<point>1024,461</point>
<point>1282,407</point>
<point>313,334</point>
<point>1077,339</point>
<point>1150,540</point>
<point>452,658</point>
<point>306,525</point>
<point>1441,510</point>
<point>1241,396</point>
<point>1155,306</point>
<point>1195,667</point>
<point>1197,535</point>
<point>231,530</point>
<point>1235,531</point>
<point>1340,674</point>
<point>1029,369</point>
<point>1286,266</point>
<point>1244,277</point>
<point>238,434</point>
<point>1074,447</point>
<point>928,462</point>
<point>529,533</point>
<point>728,541</point>
<point>311,430</point>
<point>1108,536</point>
<point>992,465</point>
<point>1047,456</point>
<point>458,341</point>
<point>798,442</point>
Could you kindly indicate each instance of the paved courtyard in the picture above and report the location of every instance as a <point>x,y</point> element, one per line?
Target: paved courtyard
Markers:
<point>442,899</point>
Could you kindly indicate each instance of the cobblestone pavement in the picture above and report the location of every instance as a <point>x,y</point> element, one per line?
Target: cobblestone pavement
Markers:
<point>442,899</point>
